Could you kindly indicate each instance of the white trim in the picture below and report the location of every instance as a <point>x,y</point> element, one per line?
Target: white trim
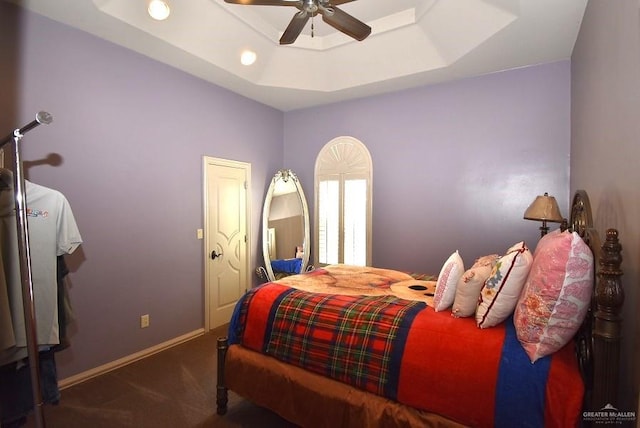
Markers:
<point>121,362</point>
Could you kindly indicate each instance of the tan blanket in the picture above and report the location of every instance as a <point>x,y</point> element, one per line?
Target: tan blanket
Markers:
<point>362,281</point>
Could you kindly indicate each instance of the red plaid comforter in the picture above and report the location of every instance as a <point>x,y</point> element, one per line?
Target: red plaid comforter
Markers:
<point>406,352</point>
<point>347,338</point>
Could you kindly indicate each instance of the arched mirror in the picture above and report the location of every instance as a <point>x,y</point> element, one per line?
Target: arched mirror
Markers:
<point>285,227</point>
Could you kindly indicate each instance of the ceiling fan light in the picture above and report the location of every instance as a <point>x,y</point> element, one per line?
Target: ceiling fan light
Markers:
<point>310,6</point>
<point>158,10</point>
<point>248,57</point>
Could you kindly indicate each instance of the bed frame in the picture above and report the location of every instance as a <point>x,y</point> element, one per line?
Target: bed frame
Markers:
<point>599,340</point>
<point>597,348</point>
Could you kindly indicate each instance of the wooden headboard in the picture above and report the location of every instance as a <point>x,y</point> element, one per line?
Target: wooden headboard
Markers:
<point>599,339</point>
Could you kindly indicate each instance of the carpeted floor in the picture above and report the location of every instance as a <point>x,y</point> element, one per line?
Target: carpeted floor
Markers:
<point>174,388</point>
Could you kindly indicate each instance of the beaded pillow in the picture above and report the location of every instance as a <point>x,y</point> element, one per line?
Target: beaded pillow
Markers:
<point>501,291</point>
<point>470,284</point>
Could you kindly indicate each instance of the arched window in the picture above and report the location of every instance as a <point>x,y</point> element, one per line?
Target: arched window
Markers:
<point>343,175</point>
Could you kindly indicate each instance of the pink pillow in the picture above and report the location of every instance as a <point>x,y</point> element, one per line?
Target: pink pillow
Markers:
<point>556,296</point>
<point>450,273</point>
<point>470,284</point>
<point>501,291</point>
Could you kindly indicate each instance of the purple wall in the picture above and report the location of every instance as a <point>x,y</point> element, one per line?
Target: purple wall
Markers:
<point>454,165</point>
<point>131,133</point>
<point>605,148</point>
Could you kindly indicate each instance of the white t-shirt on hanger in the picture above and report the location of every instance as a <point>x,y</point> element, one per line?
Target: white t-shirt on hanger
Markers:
<point>52,232</point>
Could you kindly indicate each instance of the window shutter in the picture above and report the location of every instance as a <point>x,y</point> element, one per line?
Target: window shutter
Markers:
<point>343,176</point>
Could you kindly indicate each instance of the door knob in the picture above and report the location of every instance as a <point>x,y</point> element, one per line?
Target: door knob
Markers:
<point>215,255</point>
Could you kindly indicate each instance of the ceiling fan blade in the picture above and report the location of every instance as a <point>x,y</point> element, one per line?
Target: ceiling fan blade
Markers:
<point>266,2</point>
<point>336,2</point>
<point>346,23</point>
<point>294,28</point>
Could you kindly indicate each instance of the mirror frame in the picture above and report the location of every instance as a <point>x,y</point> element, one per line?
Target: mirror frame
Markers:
<point>286,175</point>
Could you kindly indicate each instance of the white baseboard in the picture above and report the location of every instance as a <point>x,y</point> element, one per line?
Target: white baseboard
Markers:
<point>105,368</point>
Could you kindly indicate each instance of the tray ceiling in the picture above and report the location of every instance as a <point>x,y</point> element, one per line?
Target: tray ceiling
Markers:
<point>413,42</point>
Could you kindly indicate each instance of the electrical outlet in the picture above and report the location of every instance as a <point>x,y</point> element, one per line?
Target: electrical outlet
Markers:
<point>144,321</point>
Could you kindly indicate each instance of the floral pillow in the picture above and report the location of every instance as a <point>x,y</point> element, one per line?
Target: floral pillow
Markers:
<point>556,296</point>
<point>470,284</point>
<point>450,273</point>
<point>502,289</point>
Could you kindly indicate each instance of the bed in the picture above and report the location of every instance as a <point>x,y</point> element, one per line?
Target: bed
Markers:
<point>347,346</point>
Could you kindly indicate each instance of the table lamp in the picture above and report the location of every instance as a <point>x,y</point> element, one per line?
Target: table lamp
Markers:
<point>545,209</point>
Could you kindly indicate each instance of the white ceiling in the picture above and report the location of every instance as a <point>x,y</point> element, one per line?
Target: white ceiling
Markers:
<point>413,42</point>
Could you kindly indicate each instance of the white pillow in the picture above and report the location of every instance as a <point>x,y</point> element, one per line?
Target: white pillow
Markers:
<point>502,289</point>
<point>451,271</point>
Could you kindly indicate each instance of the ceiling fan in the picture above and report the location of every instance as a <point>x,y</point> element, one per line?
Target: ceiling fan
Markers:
<point>333,16</point>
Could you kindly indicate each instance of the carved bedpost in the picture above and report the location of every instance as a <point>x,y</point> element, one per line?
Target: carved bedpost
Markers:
<point>607,331</point>
<point>221,390</point>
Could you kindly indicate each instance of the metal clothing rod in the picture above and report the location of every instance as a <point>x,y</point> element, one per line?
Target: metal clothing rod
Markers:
<point>25,265</point>
<point>41,118</point>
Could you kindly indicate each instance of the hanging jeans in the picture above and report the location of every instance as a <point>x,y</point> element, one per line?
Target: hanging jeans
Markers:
<point>16,397</point>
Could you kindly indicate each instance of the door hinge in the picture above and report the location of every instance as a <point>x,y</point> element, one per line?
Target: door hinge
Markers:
<point>245,186</point>
<point>245,239</point>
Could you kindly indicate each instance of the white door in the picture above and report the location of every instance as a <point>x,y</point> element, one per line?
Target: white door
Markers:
<point>226,232</point>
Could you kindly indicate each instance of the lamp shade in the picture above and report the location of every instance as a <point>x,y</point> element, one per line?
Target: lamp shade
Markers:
<point>544,208</point>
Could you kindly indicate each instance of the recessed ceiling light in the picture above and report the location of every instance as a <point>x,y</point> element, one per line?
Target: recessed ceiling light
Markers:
<point>248,57</point>
<point>158,10</point>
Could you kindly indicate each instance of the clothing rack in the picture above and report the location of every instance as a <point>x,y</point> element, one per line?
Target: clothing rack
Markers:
<point>25,260</point>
